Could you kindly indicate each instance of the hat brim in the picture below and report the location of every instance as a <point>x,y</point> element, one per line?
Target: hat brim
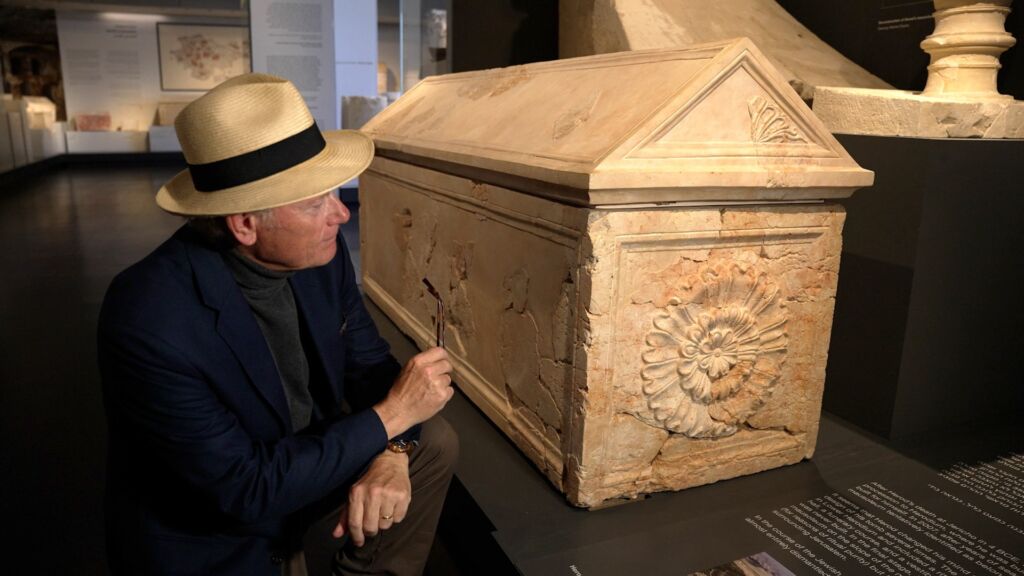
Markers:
<point>346,155</point>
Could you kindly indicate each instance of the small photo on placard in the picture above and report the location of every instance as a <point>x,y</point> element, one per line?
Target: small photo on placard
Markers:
<point>760,564</point>
<point>196,57</point>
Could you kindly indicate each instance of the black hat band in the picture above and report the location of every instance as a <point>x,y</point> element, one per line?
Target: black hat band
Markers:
<point>259,163</point>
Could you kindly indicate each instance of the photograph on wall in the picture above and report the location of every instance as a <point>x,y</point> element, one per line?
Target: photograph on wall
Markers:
<point>199,56</point>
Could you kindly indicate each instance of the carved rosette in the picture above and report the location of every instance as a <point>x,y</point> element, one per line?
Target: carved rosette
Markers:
<point>715,353</point>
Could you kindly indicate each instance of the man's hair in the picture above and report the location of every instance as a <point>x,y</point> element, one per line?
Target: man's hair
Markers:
<point>213,231</point>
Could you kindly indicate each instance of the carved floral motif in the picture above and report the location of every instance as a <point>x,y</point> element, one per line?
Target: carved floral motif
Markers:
<point>714,355</point>
<point>768,124</point>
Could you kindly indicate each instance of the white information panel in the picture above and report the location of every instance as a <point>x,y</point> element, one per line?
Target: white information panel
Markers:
<point>295,40</point>
<point>355,51</point>
<point>112,64</point>
<point>109,66</point>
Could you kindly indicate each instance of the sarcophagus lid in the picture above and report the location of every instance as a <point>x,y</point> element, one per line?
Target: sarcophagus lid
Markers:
<point>711,123</point>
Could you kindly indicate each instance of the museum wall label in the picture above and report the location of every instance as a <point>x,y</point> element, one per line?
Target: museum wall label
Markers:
<point>636,261</point>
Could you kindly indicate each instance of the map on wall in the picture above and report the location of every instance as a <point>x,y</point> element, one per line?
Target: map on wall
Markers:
<point>198,57</point>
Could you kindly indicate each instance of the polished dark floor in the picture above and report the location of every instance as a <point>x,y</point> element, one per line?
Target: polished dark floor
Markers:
<point>64,234</point>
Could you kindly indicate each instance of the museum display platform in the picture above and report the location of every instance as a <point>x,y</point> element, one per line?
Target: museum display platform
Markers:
<point>923,498</point>
<point>928,310</point>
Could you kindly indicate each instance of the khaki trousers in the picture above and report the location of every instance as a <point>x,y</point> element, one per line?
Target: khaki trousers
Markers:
<point>402,549</point>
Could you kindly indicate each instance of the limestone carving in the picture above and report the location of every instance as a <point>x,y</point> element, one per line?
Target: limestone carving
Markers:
<point>604,26</point>
<point>769,124</point>
<point>960,99</point>
<point>639,275</point>
<point>965,47</point>
<point>714,356</point>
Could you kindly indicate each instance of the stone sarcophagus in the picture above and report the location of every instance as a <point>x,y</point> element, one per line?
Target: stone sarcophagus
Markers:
<point>635,252</point>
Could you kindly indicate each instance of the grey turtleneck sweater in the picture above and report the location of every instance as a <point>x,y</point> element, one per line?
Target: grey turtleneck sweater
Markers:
<point>272,302</point>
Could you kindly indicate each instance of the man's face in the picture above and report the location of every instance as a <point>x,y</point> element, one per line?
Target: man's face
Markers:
<point>300,235</point>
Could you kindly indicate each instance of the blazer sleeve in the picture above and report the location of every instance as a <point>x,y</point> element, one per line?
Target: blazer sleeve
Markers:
<point>163,399</point>
<point>370,369</point>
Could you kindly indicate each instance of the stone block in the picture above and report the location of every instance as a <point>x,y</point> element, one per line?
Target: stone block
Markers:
<point>605,26</point>
<point>914,115</point>
<point>638,268</point>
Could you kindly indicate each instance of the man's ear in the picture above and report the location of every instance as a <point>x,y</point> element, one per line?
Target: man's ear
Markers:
<point>244,227</point>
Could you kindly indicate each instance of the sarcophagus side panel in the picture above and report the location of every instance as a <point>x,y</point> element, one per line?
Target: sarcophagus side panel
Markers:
<point>505,268</point>
<point>706,342</point>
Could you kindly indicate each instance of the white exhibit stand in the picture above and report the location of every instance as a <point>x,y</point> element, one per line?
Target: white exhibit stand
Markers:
<point>43,143</point>
<point>106,142</point>
<point>6,148</point>
<point>16,134</point>
<point>163,139</point>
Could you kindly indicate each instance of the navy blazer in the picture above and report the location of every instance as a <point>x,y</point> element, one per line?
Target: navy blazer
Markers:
<point>205,474</point>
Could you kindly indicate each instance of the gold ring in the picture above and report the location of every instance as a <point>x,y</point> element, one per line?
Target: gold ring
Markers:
<point>387,517</point>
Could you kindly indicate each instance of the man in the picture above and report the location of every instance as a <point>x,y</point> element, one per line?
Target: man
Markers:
<point>246,386</point>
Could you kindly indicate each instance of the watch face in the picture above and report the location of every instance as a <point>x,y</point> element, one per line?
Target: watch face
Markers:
<point>400,446</point>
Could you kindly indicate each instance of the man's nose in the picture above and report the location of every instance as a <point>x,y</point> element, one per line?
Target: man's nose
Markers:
<point>339,213</point>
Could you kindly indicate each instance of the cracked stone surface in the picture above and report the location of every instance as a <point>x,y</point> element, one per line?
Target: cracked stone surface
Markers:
<point>625,348</point>
<point>909,114</point>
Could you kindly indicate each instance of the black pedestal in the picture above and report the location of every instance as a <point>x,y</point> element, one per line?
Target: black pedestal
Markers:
<point>929,310</point>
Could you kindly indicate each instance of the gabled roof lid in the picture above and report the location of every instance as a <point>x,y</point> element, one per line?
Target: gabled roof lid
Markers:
<point>708,123</point>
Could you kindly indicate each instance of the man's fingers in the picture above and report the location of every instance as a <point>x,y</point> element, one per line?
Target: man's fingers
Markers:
<point>401,509</point>
<point>372,514</point>
<point>339,529</point>
<point>355,522</point>
<point>433,355</point>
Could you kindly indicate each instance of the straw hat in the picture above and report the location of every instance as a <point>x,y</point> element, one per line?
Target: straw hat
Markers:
<point>252,144</point>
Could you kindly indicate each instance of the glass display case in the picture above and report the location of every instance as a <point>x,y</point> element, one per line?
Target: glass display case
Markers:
<point>412,43</point>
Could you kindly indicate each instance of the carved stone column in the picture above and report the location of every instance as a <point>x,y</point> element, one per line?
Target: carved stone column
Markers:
<point>965,47</point>
<point>960,99</point>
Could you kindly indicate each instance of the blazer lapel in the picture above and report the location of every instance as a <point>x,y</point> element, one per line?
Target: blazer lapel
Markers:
<point>237,325</point>
<point>323,328</point>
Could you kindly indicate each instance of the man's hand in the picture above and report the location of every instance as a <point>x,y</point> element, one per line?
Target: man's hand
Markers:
<point>378,500</point>
<point>421,390</point>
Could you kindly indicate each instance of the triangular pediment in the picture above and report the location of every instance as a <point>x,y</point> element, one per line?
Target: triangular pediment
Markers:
<point>739,108</point>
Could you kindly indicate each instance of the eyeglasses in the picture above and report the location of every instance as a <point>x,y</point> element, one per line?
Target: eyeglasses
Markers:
<point>439,327</point>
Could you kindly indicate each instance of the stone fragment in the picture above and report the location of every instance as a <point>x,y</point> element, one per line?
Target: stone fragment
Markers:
<point>640,274</point>
<point>913,115</point>
<point>604,26</point>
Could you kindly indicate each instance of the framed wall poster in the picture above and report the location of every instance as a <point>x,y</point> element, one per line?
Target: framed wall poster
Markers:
<point>196,57</point>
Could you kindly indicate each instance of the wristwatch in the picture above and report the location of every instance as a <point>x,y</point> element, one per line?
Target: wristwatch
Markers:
<point>402,446</point>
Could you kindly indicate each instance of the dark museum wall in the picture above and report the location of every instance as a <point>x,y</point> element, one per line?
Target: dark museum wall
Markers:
<point>496,33</point>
